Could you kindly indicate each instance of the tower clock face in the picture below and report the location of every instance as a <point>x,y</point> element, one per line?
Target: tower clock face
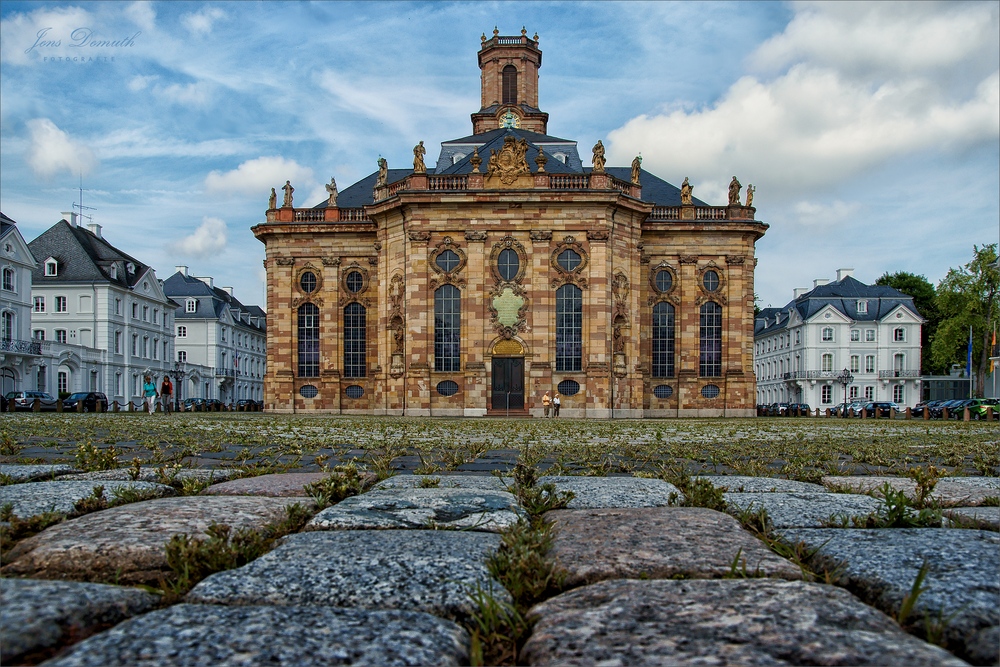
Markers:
<point>510,119</point>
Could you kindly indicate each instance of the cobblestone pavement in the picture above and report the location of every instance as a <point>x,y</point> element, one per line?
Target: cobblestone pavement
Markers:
<point>384,578</point>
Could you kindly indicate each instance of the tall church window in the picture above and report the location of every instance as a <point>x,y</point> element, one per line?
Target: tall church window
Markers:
<point>569,328</point>
<point>509,84</point>
<point>663,340</point>
<point>710,362</point>
<point>308,341</point>
<point>447,327</point>
<point>355,341</point>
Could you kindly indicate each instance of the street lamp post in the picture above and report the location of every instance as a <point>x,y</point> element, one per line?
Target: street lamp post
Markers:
<point>180,370</point>
<point>845,378</point>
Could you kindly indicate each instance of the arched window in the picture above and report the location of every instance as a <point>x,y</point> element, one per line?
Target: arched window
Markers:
<point>447,327</point>
<point>8,279</point>
<point>509,85</point>
<point>569,328</point>
<point>710,362</point>
<point>308,341</point>
<point>508,264</point>
<point>355,341</point>
<point>663,340</point>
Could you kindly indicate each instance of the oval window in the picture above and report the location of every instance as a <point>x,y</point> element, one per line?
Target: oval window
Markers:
<point>355,391</point>
<point>663,391</point>
<point>664,281</point>
<point>447,260</point>
<point>710,391</point>
<point>569,259</point>
<point>308,282</point>
<point>568,388</point>
<point>508,264</point>
<point>308,391</point>
<point>355,281</point>
<point>447,388</point>
<point>711,281</point>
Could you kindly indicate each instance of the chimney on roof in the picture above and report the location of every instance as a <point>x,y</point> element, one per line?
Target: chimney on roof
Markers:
<point>844,273</point>
<point>181,269</point>
<point>228,290</point>
<point>70,217</point>
<point>95,229</point>
<point>207,280</point>
<point>820,281</point>
<point>799,291</point>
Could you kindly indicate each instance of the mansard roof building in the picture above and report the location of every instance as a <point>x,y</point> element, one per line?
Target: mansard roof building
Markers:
<point>508,268</point>
<point>871,331</point>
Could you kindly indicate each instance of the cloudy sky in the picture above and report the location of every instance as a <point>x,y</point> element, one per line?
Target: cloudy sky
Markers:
<point>870,130</point>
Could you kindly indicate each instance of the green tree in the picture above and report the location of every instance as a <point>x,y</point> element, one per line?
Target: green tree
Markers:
<point>925,301</point>
<point>968,297</point>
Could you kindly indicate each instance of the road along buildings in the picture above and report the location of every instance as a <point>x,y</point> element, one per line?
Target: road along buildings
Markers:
<point>872,332</point>
<point>506,269</point>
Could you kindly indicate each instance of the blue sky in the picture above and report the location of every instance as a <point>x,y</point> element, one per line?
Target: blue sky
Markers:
<point>870,130</point>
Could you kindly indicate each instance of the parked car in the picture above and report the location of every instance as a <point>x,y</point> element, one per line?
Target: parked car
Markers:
<point>938,410</point>
<point>978,409</point>
<point>852,409</point>
<point>803,409</point>
<point>957,411</point>
<point>25,400</point>
<point>192,404</point>
<point>213,404</point>
<point>90,401</point>
<point>918,409</point>
<point>246,404</point>
<point>880,408</point>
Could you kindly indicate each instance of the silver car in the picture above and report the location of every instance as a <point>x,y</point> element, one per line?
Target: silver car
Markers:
<point>25,400</point>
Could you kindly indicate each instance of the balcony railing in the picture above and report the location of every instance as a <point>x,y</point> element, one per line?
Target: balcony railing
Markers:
<point>455,182</point>
<point>569,182</point>
<point>353,215</point>
<point>21,346</point>
<point>225,372</point>
<point>665,213</point>
<point>309,215</point>
<point>899,374</point>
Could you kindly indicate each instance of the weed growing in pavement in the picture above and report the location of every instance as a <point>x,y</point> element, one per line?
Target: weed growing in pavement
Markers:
<point>536,500</point>
<point>191,559</point>
<point>8,445</point>
<point>990,501</point>
<point>430,483</point>
<point>120,495</point>
<point>697,491</point>
<point>910,600</point>
<point>498,629</point>
<point>426,467</point>
<point>738,568</point>
<point>6,480</point>
<point>135,470</point>
<point>926,479</point>
<point>343,481</point>
<point>92,458</point>
<point>18,529</point>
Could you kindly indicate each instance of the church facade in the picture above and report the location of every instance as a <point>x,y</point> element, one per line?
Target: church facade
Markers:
<point>506,269</point>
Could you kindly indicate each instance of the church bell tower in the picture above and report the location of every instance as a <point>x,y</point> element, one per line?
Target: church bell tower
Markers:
<point>510,84</point>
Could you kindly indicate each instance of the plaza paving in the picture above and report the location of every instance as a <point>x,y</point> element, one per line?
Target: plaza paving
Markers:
<point>384,578</point>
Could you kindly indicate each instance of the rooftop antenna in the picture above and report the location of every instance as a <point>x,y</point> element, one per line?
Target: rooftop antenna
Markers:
<point>80,207</point>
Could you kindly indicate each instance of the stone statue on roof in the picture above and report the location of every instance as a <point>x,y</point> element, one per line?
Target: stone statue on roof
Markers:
<point>383,173</point>
<point>272,201</point>
<point>686,189</point>
<point>418,159</point>
<point>636,168</point>
<point>331,188</point>
<point>750,190</point>
<point>287,187</point>
<point>734,192</point>
<point>598,160</point>
<point>475,160</point>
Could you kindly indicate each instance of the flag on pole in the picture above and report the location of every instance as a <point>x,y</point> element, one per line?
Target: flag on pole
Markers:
<point>968,362</point>
<point>993,348</point>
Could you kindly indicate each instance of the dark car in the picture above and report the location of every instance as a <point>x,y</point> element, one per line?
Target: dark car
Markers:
<point>918,409</point>
<point>213,404</point>
<point>957,411</point>
<point>938,410</point>
<point>25,400</point>
<point>800,409</point>
<point>192,404</point>
<point>90,400</point>
<point>880,408</point>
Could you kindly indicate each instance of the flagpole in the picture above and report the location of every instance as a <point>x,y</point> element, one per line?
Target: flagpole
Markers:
<point>968,362</point>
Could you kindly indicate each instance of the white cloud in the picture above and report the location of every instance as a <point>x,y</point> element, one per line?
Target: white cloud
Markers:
<point>137,83</point>
<point>259,176</point>
<point>189,94</point>
<point>822,214</point>
<point>142,14</point>
<point>209,239</point>
<point>200,23</point>
<point>51,151</point>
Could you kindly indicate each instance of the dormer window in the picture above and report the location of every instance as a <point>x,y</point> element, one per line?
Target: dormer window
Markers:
<point>191,306</point>
<point>130,267</point>
<point>862,307</point>
<point>51,267</point>
<point>114,272</point>
<point>560,156</point>
<point>457,157</point>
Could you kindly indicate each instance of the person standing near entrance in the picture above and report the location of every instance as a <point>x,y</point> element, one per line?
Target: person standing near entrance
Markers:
<point>546,403</point>
<point>166,394</point>
<point>149,393</point>
<point>556,402</point>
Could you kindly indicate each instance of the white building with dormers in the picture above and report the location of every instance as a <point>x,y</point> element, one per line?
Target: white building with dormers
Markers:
<point>873,331</point>
<point>100,315</point>
<point>18,352</point>
<point>221,343</point>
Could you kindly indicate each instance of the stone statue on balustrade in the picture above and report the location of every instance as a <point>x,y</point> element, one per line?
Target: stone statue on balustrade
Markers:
<point>636,169</point>
<point>734,192</point>
<point>750,190</point>
<point>331,188</point>
<point>383,173</point>
<point>686,189</point>
<point>418,159</point>
<point>272,201</point>
<point>287,187</point>
<point>598,160</point>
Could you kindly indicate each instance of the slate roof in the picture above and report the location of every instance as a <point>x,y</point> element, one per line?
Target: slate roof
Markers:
<point>82,257</point>
<point>843,295</point>
<point>212,301</point>
<point>6,225</point>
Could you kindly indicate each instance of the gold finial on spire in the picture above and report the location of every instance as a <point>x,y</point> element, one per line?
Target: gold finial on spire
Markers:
<point>483,38</point>
<point>535,38</point>
<point>496,32</point>
<point>524,33</point>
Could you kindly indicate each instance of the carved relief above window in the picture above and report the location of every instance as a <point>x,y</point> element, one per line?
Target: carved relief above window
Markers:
<point>447,260</point>
<point>508,301</point>
<point>663,284</point>
<point>711,284</point>
<point>353,284</point>
<point>569,261</point>
<point>508,260</point>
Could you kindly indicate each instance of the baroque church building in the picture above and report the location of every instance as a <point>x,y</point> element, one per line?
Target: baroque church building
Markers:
<point>506,269</point>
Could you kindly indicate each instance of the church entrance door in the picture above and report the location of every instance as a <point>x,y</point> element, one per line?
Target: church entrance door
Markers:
<point>508,384</point>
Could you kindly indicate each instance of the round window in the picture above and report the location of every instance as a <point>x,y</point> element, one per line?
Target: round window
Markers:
<point>569,388</point>
<point>355,281</point>
<point>711,281</point>
<point>308,391</point>
<point>447,260</point>
<point>355,391</point>
<point>447,388</point>
<point>664,281</point>
<point>508,263</point>
<point>569,259</point>
<point>710,391</point>
<point>308,282</point>
<point>663,391</point>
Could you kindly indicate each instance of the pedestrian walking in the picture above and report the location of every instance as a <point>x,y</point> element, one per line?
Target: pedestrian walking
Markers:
<point>149,393</point>
<point>546,403</point>
<point>556,402</point>
<point>166,395</point>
